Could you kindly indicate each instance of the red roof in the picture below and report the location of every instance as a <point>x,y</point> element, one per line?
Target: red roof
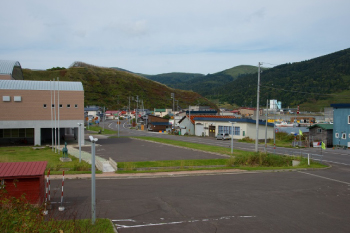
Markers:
<point>22,169</point>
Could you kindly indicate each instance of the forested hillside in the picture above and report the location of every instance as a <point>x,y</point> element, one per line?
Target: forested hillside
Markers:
<point>318,81</point>
<point>203,84</point>
<point>111,87</point>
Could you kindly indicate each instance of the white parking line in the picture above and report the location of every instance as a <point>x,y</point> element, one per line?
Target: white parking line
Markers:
<point>119,226</point>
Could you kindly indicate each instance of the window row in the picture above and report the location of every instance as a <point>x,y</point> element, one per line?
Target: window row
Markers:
<point>228,129</point>
<point>16,133</point>
<point>61,106</point>
<point>343,135</point>
<point>8,98</point>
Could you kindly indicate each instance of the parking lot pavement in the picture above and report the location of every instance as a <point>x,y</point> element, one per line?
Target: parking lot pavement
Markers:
<point>128,150</point>
<point>241,202</point>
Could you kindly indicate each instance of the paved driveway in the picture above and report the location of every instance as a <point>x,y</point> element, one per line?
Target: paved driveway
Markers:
<point>299,201</point>
<point>128,150</point>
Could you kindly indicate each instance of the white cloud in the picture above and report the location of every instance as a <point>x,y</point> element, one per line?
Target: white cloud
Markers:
<point>164,36</point>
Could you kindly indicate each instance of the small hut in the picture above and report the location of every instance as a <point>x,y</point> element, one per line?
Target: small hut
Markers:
<point>27,178</point>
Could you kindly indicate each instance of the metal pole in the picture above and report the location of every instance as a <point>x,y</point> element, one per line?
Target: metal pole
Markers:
<point>58,115</point>
<point>267,105</point>
<point>257,112</point>
<point>93,188</point>
<point>54,100</point>
<point>79,138</point>
<point>103,117</point>
<point>118,126</point>
<point>274,132</point>
<point>52,133</point>
<point>232,137</point>
<point>308,159</point>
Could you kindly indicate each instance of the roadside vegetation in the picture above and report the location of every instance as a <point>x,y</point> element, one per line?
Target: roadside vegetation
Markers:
<point>283,139</point>
<point>17,215</point>
<point>28,154</point>
<point>100,130</point>
<point>241,160</point>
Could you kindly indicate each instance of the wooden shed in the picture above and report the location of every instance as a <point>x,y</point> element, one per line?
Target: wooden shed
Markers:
<point>24,177</point>
<point>321,133</point>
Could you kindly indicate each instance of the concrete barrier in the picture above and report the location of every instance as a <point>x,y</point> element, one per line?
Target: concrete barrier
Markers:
<point>113,164</point>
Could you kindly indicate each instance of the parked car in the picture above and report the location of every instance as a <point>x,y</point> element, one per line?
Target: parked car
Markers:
<point>223,136</point>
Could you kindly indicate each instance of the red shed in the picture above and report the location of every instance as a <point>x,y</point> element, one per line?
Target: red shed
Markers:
<point>24,177</point>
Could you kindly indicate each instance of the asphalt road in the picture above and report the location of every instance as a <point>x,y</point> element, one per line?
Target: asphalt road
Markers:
<point>329,155</point>
<point>298,201</point>
<point>132,150</point>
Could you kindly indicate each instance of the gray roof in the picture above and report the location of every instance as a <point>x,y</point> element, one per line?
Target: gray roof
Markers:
<point>6,67</point>
<point>40,85</point>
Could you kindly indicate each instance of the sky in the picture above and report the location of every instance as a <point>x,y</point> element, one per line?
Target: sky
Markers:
<point>162,36</point>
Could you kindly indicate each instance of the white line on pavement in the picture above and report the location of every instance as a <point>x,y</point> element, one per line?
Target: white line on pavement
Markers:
<point>323,177</point>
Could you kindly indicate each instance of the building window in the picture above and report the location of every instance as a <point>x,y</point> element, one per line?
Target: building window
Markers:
<point>319,130</point>
<point>336,135</point>
<point>6,98</point>
<point>76,106</point>
<point>44,105</point>
<point>237,130</point>
<point>53,105</point>
<point>60,105</point>
<point>68,105</point>
<point>348,119</point>
<point>343,136</point>
<point>17,98</point>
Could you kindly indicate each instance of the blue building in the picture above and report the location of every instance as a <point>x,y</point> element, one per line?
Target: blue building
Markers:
<point>341,124</point>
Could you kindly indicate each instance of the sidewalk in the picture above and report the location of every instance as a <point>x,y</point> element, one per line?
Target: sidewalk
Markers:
<point>112,175</point>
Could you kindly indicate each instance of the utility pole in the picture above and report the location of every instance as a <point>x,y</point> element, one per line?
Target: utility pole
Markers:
<point>177,105</point>
<point>137,106</point>
<point>173,97</point>
<point>257,112</point>
<point>129,108</point>
<point>267,105</point>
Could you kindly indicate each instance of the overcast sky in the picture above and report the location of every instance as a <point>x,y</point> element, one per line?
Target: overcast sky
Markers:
<point>161,36</point>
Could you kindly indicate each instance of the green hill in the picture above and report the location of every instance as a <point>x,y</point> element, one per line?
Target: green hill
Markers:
<point>203,84</point>
<point>172,79</point>
<point>111,87</point>
<point>313,84</point>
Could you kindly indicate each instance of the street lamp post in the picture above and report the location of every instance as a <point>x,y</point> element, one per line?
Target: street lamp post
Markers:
<point>79,141</point>
<point>231,136</point>
<point>93,188</point>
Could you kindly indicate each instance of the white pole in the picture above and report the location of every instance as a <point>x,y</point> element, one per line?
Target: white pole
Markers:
<point>267,105</point>
<point>54,100</point>
<point>79,138</point>
<point>58,114</point>
<point>93,188</point>
<point>118,126</point>
<point>232,137</point>
<point>308,159</point>
<point>52,135</point>
<point>257,112</point>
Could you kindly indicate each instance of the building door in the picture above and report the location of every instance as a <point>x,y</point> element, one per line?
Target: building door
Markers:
<point>212,131</point>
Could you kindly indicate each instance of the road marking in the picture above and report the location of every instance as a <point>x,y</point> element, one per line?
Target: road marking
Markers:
<point>323,177</point>
<point>322,160</point>
<point>119,226</point>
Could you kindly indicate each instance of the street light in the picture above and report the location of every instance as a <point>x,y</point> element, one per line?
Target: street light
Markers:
<point>93,188</point>
<point>231,136</point>
<point>79,141</point>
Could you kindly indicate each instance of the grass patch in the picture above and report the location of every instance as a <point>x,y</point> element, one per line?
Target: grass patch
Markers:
<point>242,160</point>
<point>19,216</point>
<point>28,154</point>
<point>98,128</point>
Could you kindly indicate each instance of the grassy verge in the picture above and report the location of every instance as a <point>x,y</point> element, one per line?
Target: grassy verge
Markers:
<point>242,160</point>
<point>28,154</point>
<point>98,128</point>
<point>19,216</point>
<point>282,140</point>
